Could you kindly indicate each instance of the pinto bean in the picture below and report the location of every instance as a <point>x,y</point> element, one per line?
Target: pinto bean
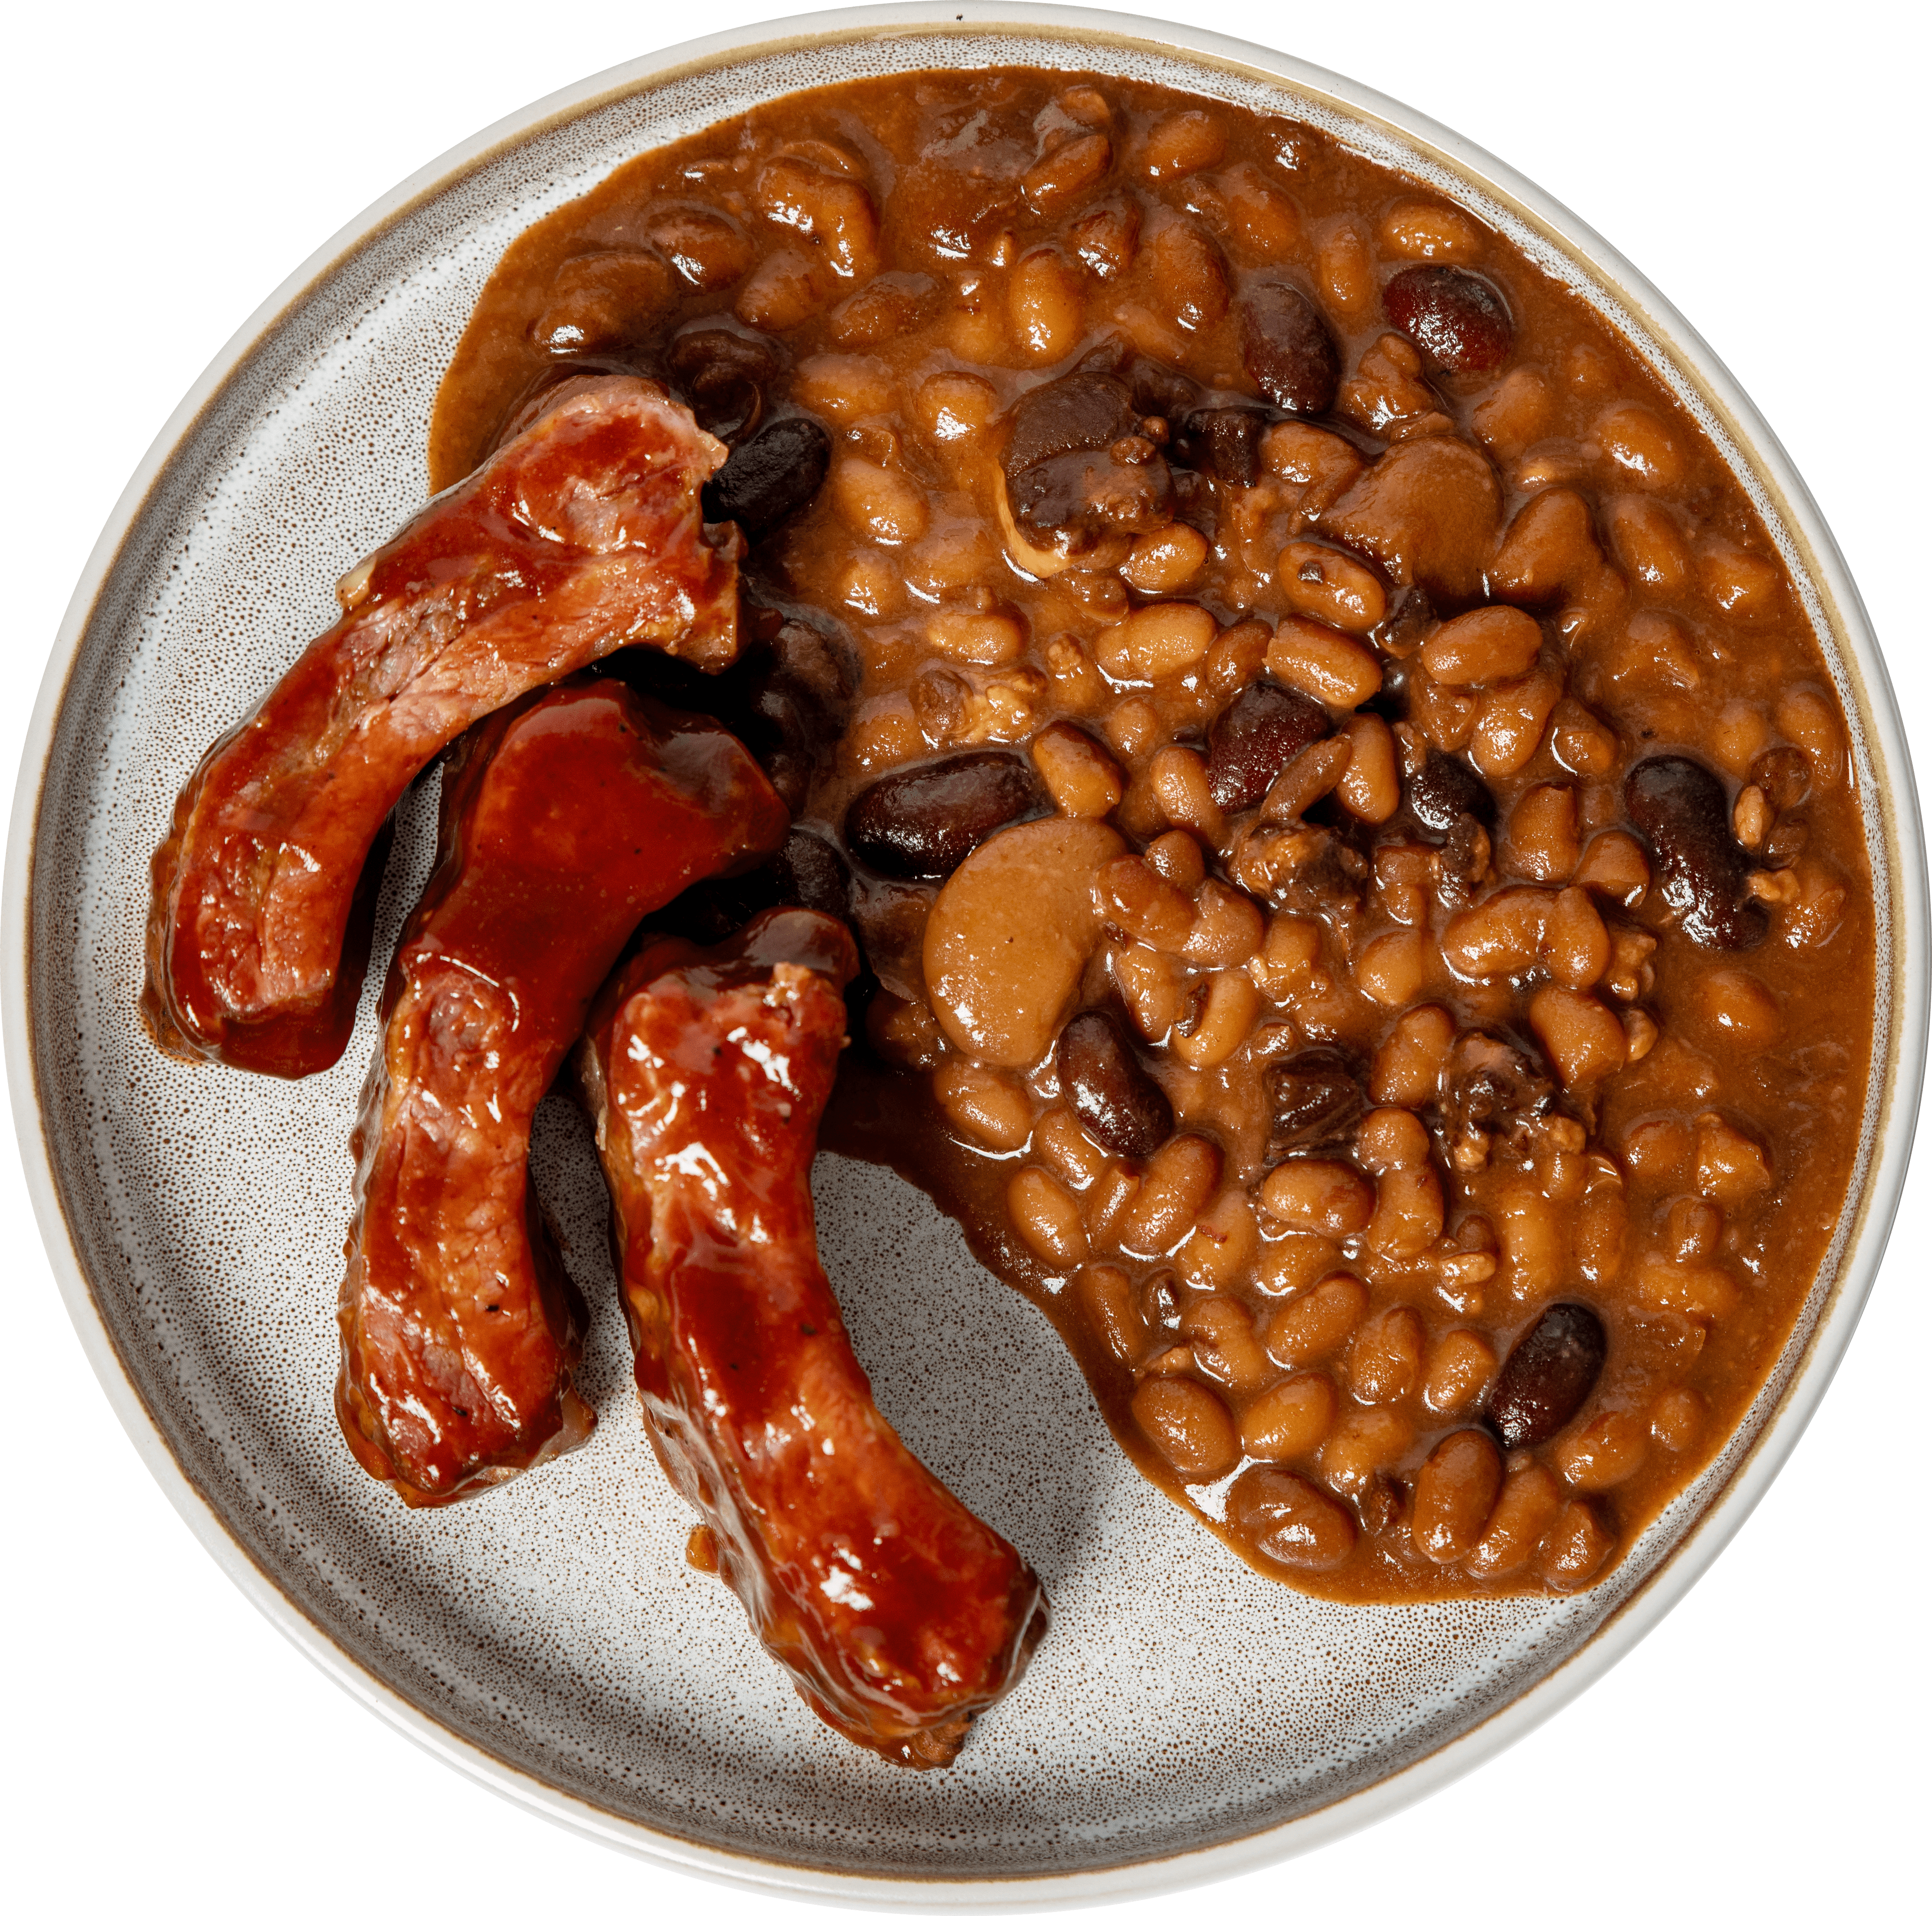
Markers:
<point>1288,349</point>
<point>1545,1379</point>
<point>924,822</point>
<point>1460,320</point>
<point>1456,1493</point>
<point>1255,737</point>
<point>1188,1424</point>
<point>1680,807</point>
<point>1285,1517</point>
<point>1109,1090</point>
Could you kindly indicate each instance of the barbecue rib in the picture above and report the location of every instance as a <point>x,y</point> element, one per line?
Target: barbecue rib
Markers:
<point>581,535</point>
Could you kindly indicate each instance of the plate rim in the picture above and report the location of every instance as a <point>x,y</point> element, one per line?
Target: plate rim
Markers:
<point>1903,847</point>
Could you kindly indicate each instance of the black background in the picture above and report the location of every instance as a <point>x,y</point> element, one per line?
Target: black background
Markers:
<point>1765,1729</point>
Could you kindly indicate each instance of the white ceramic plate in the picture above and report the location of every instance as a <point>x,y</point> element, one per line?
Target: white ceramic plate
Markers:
<point>1184,1718</point>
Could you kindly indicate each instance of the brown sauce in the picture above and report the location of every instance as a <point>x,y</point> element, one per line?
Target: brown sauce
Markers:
<point>1643,1089</point>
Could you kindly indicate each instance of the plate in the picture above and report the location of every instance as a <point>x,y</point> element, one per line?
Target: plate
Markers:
<point>1184,1718</point>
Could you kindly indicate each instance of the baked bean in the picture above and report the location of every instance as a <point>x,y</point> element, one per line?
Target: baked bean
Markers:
<point>1602,1223</point>
<point>1222,1245</point>
<point>1701,1291</point>
<point>1133,727</point>
<point>1632,436</point>
<point>1529,1239</point>
<point>883,310</point>
<point>843,386</point>
<point>1324,664</point>
<point>1072,168</point>
<point>1459,320</point>
<point>1574,1546</point>
<point>1061,1140</point>
<point>878,738</point>
<point>1179,775</point>
<point>1730,1166</point>
<point>1345,267</point>
<point>1458,1369</point>
<point>949,562</point>
<point>1408,1211</point>
<point>1162,562</point>
<point>985,1107</point>
<point>1740,1007</point>
<point>1113,1191</point>
<point>1329,586</point>
<point>1226,1017</point>
<point>904,1031</point>
<point>1314,1195</point>
<point>1456,1491</point>
<point>1805,717</point>
<point>1189,1426</point>
<point>870,585</point>
<point>1288,1521</point>
<point>1047,1218</point>
<point>1323,463</point>
<point>1183,143</point>
<point>1045,304</point>
<point>1149,987</point>
<point>1010,935</point>
<point>1310,776</point>
<point>1427,229</point>
<point>1511,720</point>
<point>1364,1443</point>
<point>1268,223</point>
<point>1611,1447</point>
<point>1107,238</point>
<point>1583,744</point>
<point>882,505</point>
<point>1583,1037</point>
<point>1188,277</point>
<point>783,290</point>
<point>1370,786</point>
<point>1613,863</point>
<point>1108,1089</point>
<point>1290,1419</point>
<point>1288,1264</point>
<point>1156,642</point>
<point>1176,856</point>
<point>1107,1295</point>
<point>955,406</point>
<point>1739,583</point>
<point>1391,1137</point>
<point>1494,642</point>
<point>1542,833</point>
<point>1393,968</point>
<point>1531,1497</point>
<point>1385,1358</point>
<point>1079,772</point>
<point>837,211</point>
<point>1644,535</point>
<point>1316,1325</point>
<point>1227,927</point>
<point>977,638</point>
<point>1516,414</point>
<point>1550,545</point>
<point>600,302</point>
<point>1223,1333</point>
<point>1288,964</point>
<point>1179,1181</point>
<point>1501,937</point>
<point>1129,894</point>
<point>1677,1417</point>
<point>1577,945</point>
<point>1408,1064</point>
<point>1553,1368</point>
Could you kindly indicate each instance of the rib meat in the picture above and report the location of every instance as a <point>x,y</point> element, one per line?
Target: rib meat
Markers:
<point>581,535</point>
<point>898,1614</point>
<point>565,819</point>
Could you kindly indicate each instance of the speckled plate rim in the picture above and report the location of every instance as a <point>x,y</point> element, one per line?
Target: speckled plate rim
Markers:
<point>1904,1050</point>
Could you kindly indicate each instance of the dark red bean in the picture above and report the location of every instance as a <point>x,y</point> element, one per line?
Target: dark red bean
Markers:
<point>925,823</point>
<point>1314,1102</point>
<point>1079,465</point>
<point>1682,808</point>
<point>1108,1088</point>
<point>1459,321</point>
<point>1221,441</point>
<point>1446,788</point>
<point>768,478</point>
<point>1257,733</point>
<point>1289,353</point>
<point>1783,775</point>
<point>1544,1380</point>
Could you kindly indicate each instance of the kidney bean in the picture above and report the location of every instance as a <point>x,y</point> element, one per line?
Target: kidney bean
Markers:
<point>1285,1517</point>
<point>1289,353</point>
<point>924,822</point>
<point>1545,1379</point>
<point>1224,442</point>
<point>1110,1090</point>
<point>1313,1101</point>
<point>1255,737</point>
<point>1680,807</point>
<point>768,478</point>
<point>1456,318</point>
<point>1446,788</point>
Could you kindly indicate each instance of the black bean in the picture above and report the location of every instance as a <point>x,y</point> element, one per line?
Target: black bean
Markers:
<point>1314,1102</point>
<point>811,872</point>
<point>1459,321</point>
<point>1222,441</point>
<point>1108,1088</point>
<point>925,823</point>
<point>1257,733</point>
<point>1289,353</point>
<point>1680,808</point>
<point>768,478</point>
<point>1544,1380</point>
<point>1446,787</point>
<point>722,374</point>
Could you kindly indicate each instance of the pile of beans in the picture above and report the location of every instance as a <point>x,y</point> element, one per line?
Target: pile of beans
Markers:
<point>1351,833</point>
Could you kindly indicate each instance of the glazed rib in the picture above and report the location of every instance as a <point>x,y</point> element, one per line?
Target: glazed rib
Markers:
<point>565,819</point>
<point>581,535</point>
<point>900,1615</point>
